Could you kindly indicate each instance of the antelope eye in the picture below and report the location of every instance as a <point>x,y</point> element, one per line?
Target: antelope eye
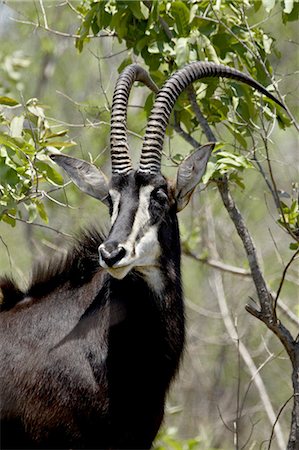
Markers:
<point>160,195</point>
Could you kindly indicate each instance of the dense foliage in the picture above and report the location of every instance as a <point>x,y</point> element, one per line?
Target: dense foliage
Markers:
<point>167,35</point>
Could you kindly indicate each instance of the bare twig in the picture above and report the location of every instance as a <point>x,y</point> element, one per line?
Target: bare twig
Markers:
<point>287,312</point>
<point>41,225</point>
<point>267,313</point>
<point>199,116</point>
<point>284,275</point>
<point>276,420</point>
<point>163,23</point>
<point>218,264</point>
<point>7,251</point>
<point>223,421</point>
<point>186,136</point>
<point>44,14</point>
<point>217,285</point>
<point>274,186</point>
<point>61,33</point>
<point>75,10</point>
<point>262,172</point>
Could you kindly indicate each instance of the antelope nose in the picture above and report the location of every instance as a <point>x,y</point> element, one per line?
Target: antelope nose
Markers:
<point>111,253</point>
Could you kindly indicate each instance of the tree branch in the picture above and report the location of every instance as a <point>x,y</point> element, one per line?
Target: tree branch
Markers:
<point>267,313</point>
<point>61,33</point>
<point>232,331</point>
<point>284,275</point>
<point>216,264</point>
<point>199,116</point>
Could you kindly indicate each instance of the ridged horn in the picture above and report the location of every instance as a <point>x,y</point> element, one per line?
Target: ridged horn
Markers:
<point>150,161</point>
<point>120,158</point>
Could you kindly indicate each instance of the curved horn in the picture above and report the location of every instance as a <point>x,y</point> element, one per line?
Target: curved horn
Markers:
<point>150,161</point>
<point>120,158</point>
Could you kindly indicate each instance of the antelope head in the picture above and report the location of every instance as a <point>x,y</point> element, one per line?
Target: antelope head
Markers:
<point>142,202</point>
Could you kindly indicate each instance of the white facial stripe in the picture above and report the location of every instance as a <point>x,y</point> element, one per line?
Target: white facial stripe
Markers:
<point>142,216</point>
<point>115,197</point>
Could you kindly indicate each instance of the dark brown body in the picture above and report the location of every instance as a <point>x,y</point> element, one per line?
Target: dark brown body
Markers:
<point>87,359</point>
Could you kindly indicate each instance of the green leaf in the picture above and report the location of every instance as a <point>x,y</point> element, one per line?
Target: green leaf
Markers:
<point>17,144</point>
<point>182,52</point>
<point>10,220</point>
<point>42,212</point>
<point>7,101</point>
<point>257,4</point>
<point>49,134</point>
<point>209,50</point>
<point>50,174</point>
<point>139,10</point>
<point>94,26</point>
<point>58,144</point>
<point>294,246</point>
<point>267,42</point>
<point>144,10</point>
<point>8,175</point>
<point>210,170</point>
<point>268,4</point>
<point>10,142</point>
<point>178,158</point>
<point>181,15</point>
<point>35,109</point>
<point>16,126</point>
<point>149,103</point>
<point>124,64</point>
<point>32,212</point>
<point>288,6</point>
<point>293,15</point>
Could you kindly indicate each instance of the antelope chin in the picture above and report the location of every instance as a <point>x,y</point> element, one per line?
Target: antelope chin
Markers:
<point>119,272</point>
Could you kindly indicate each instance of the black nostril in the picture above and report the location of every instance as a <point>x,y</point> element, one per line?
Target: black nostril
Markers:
<point>111,253</point>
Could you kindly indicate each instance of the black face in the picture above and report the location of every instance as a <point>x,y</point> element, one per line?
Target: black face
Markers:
<point>139,205</point>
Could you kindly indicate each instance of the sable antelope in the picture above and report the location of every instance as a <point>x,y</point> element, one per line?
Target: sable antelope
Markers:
<point>89,350</point>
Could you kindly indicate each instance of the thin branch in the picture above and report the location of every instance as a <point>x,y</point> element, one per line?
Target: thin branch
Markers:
<point>217,284</point>
<point>267,360</point>
<point>223,421</point>
<point>262,172</point>
<point>61,33</point>
<point>277,418</point>
<point>199,116</point>
<point>75,10</point>
<point>186,136</point>
<point>286,225</point>
<point>267,312</point>
<point>44,14</point>
<point>7,251</point>
<point>287,312</point>
<point>283,276</point>
<point>112,55</point>
<point>40,225</point>
<point>218,264</point>
<point>237,218</point>
<point>163,23</point>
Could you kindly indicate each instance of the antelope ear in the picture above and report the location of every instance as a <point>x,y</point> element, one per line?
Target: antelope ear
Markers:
<point>189,174</point>
<point>86,176</point>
